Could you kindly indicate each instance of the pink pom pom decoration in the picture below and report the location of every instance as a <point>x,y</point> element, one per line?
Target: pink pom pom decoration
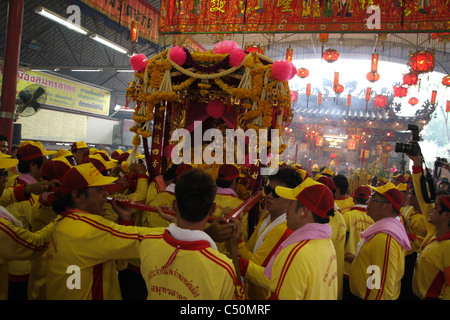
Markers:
<point>294,71</point>
<point>215,109</point>
<point>177,55</point>
<point>236,57</point>
<point>225,47</point>
<point>282,70</point>
<point>139,62</point>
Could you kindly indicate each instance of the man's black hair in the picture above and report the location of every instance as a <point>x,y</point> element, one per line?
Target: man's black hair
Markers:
<point>341,183</point>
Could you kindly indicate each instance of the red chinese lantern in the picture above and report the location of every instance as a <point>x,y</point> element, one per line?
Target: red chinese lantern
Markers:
<point>422,62</point>
<point>255,48</point>
<point>330,55</point>
<point>380,101</point>
<point>433,96</point>
<point>388,148</point>
<point>303,73</point>
<point>410,79</point>
<point>338,88</point>
<point>289,54</point>
<point>447,108</point>
<point>368,94</point>
<point>400,92</point>
<point>308,89</point>
<point>446,80</point>
<point>374,62</point>
<point>413,101</point>
<point>373,76</point>
<point>134,31</point>
<point>336,79</point>
<point>323,37</point>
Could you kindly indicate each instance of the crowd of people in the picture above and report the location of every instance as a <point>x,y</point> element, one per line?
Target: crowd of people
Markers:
<point>69,230</point>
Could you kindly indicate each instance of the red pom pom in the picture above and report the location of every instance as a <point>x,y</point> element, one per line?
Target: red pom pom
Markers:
<point>294,71</point>
<point>225,47</point>
<point>215,109</point>
<point>236,57</point>
<point>282,70</point>
<point>139,62</point>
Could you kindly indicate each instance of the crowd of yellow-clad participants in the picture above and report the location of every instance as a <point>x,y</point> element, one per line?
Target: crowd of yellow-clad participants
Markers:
<point>67,233</point>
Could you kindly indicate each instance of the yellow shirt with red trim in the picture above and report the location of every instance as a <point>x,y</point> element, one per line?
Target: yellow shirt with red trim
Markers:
<point>356,220</point>
<point>186,270</point>
<point>431,278</point>
<point>305,270</point>
<point>344,203</point>
<point>416,227</point>
<point>153,219</point>
<point>19,244</point>
<point>81,256</point>
<point>386,257</point>
<point>224,205</point>
<point>272,240</point>
<point>339,230</point>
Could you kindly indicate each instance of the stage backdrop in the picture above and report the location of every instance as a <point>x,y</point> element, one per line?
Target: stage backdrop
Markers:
<point>258,16</point>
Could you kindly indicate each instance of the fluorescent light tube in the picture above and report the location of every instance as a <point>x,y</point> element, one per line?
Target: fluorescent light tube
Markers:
<point>53,16</point>
<point>108,43</point>
<point>124,70</point>
<point>87,70</point>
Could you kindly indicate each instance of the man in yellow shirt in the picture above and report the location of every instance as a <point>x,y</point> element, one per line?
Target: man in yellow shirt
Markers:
<point>304,266</point>
<point>431,278</point>
<point>182,261</point>
<point>379,265</point>
<point>84,245</point>
<point>356,220</point>
<point>269,233</point>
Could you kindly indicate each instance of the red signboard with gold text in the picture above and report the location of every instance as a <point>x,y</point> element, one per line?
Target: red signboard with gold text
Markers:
<point>233,16</point>
<point>125,11</point>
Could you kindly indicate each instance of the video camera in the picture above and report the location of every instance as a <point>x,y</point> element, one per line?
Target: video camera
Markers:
<point>412,147</point>
<point>440,162</point>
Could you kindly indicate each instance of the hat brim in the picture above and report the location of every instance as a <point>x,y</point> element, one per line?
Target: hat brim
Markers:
<point>6,163</point>
<point>102,181</point>
<point>286,192</point>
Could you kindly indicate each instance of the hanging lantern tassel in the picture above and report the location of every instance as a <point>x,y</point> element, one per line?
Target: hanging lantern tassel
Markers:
<point>133,34</point>
<point>433,97</point>
<point>319,99</point>
<point>367,97</point>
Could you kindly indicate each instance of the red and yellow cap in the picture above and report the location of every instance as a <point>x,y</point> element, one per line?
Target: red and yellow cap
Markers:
<point>328,171</point>
<point>403,187</point>
<point>229,172</point>
<point>7,162</point>
<point>362,192</point>
<point>55,168</point>
<point>63,153</point>
<point>312,194</point>
<point>29,150</point>
<point>328,182</point>
<point>391,193</point>
<point>79,145</point>
<point>82,176</point>
<point>446,201</point>
<point>400,177</point>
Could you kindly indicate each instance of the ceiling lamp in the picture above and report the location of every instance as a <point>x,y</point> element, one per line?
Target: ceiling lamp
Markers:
<point>62,21</point>
<point>330,55</point>
<point>108,43</point>
<point>422,62</point>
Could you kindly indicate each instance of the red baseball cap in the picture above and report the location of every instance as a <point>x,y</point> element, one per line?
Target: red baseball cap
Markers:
<point>363,192</point>
<point>228,172</point>
<point>29,150</point>
<point>182,168</point>
<point>328,182</point>
<point>391,193</point>
<point>82,176</point>
<point>55,168</point>
<point>79,145</point>
<point>400,177</point>
<point>312,194</point>
<point>446,201</point>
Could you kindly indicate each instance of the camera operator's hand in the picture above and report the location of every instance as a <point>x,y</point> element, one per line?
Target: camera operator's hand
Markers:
<point>417,159</point>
